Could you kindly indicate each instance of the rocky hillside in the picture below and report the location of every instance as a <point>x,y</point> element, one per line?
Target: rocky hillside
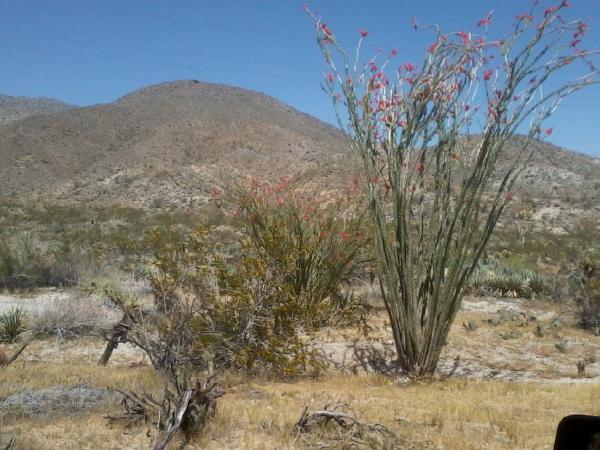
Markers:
<point>17,108</point>
<point>173,143</point>
<point>558,189</point>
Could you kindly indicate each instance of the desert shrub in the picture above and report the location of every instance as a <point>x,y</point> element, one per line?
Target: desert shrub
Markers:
<point>170,340</point>
<point>123,213</point>
<point>58,215</point>
<point>9,265</point>
<point>12,324</point>
<point>71,318</point>
<point>286,278</point>
<point>250,310</point>
<point>218,310</point>
<point>311,244</point>
<point>585,283</point>
<point>491,276</point>
<point>25,265</point>
<point>561,251</point>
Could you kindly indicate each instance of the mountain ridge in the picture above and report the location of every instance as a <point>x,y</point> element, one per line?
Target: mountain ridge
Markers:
<point>186,129</point>
<point>173,143</point>
<point>14,108</point>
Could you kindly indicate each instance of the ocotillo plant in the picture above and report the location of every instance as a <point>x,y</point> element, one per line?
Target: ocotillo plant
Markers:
<point>430,139</point>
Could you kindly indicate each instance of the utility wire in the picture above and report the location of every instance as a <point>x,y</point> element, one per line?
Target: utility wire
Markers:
<point>162,63</point>
<point>112,46</point>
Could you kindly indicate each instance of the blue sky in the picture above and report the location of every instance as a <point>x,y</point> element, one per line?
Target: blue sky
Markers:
<point>93,51</point>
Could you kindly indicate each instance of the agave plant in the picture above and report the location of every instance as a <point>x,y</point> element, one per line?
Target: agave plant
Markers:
<point>12,324</point>
<point>496,277</point>
<point>537,282</point>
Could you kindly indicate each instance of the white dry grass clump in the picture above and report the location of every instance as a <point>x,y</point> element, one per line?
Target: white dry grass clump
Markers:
<point>72,317</point>
<point>56,400</point>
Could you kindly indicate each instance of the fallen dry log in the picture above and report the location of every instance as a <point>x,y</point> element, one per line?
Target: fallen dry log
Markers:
<point>321,418</point>
<point>175,426</point>
<point>135,409</point>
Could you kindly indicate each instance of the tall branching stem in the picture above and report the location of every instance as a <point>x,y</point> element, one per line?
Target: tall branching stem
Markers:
<point>431,141</point>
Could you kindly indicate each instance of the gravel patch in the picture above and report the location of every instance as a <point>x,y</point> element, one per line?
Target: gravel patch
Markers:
<point>488,305</point>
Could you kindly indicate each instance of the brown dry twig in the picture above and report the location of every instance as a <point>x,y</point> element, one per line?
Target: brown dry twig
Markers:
<point>351,432</point>
<point>5,360</point>
<point>188,412</point>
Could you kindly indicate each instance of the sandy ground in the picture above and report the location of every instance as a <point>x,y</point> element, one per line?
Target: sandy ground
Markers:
<point>503,346</point>
<point>32,301</point>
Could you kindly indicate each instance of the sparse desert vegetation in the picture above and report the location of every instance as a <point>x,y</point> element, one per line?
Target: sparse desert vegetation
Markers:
<point>507,393</point>
<point>514,349</point>
<point>439,291</point>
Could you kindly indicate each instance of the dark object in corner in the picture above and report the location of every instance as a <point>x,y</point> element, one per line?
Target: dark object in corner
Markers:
<point>578,432</point>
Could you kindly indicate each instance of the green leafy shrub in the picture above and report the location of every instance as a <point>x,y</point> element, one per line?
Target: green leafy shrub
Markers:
<point>12,324</point>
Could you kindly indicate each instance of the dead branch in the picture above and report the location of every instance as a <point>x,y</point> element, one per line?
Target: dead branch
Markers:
<point>351,432</point>
<point>117,336</point>
<point>193,408</point>
<point>201,408</point>
<point>321,418</point>
<point>135,409</point>
<point>162,443</point>
<point>16,354</point>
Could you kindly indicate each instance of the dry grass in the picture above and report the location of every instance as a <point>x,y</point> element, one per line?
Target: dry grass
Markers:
<point>453,414</point>
<point>255,413</point>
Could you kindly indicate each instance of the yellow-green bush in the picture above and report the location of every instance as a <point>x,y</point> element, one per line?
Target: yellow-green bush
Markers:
<point>310,243</point>
<point>251,310</point>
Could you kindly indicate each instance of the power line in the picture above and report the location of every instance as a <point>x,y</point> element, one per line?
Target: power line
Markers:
<point>162,63</point>
<point>155,50</point>
<point>195,68</point>
<point>257,33</point>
